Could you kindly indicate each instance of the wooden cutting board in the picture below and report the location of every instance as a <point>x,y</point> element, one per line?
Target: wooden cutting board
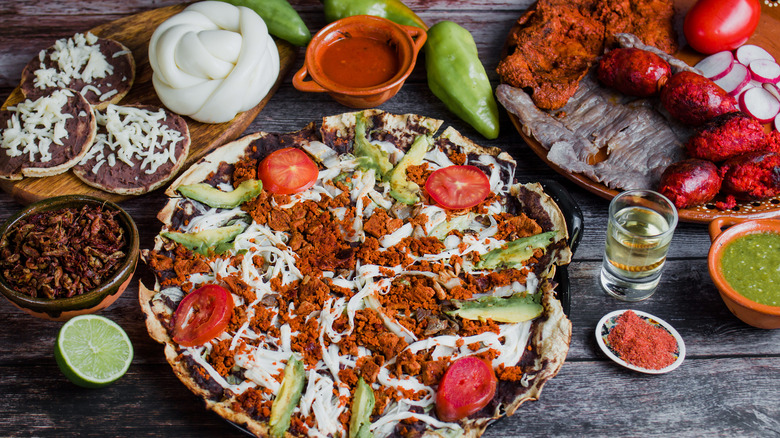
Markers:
<point>134,32</point>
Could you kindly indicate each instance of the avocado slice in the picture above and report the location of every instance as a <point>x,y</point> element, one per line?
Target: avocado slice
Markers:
<point>202,241</point>
<point>401,188</point>
<point>516,252</point>
<point>288,397</point>
<point>369,155</point>
<point>214,197</point>
<point>460,223</point>
<point>362,407</point>
<point>516,308</point>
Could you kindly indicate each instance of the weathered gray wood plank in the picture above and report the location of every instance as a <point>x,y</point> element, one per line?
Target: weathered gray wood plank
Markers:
<point>586,398</point>
<point>22,36</point>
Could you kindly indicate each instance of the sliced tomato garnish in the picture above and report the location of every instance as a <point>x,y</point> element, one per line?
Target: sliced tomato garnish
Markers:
<point>468,385</point>
<point>202,315</point>
<point>287,171</point>
<point>458,186</point>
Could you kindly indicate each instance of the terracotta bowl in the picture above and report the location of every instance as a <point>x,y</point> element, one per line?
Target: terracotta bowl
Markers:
<point>62,309</point>
<point>750,312</point>
<point>407,41</point>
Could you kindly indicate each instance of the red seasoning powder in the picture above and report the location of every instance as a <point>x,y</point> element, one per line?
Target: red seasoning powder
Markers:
<point>642,344</point>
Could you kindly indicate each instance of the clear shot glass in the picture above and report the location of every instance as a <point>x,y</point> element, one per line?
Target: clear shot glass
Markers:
<point>639,231</point>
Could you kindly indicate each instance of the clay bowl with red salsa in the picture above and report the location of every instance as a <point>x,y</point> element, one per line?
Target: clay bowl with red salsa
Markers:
<point>361,61</point>
<point>744,263</point>
<point>66,256</point>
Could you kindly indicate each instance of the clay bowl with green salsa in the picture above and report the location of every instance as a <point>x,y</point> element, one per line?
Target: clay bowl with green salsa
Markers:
<point>67,256</point>
<point>744,263</point>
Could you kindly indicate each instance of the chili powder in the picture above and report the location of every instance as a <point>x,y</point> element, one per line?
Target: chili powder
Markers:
<point>642,344</point>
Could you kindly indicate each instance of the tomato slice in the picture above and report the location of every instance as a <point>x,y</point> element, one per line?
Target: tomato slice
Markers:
<point>202,315</point>
<point>287,171</point>
<point>468,385</point>
<point>458,186</point>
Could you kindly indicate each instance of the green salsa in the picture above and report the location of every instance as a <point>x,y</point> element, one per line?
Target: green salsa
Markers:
<point>751,266</point>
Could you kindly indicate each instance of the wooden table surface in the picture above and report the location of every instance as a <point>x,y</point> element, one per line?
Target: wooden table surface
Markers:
<point>729,384</point>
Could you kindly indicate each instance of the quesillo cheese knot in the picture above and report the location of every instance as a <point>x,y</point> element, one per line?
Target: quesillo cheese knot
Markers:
<point>212,61</point>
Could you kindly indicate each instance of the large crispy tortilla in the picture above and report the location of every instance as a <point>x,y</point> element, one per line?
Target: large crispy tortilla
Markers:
<point>550,333</point>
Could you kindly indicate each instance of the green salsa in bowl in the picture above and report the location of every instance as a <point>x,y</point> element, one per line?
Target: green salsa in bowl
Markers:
<point>751,266</point>
<point>744,263</point>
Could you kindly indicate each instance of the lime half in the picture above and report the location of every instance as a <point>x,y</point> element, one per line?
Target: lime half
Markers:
<point>93,351</point>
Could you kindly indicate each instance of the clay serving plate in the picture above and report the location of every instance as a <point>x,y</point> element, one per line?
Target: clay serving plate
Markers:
<point>61,309</point>
<point>407,40</point>
<point>608,322</point>
<point>750,312</point>
<point>767,35</point>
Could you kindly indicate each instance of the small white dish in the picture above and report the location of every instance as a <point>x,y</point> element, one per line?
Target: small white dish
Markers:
<point>608,322</point>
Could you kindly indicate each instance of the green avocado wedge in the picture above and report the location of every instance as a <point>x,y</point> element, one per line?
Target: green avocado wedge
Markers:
<point>362,406</point>
<point>217,240</point>
<point>289,395</point>
<point>369,155</point>
<point>401,188</point>
<point>516,308</point>
<point>214,197</point>
<point>516,253</point>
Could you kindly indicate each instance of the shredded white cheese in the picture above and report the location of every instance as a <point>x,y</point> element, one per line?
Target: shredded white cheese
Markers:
<point>134,137</point>
<point>34,125</point>
<point>76,58</point>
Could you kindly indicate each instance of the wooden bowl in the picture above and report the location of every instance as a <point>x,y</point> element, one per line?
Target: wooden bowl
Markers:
<point>752,313</point>
<point>62,309</point>
<point>406,40</point>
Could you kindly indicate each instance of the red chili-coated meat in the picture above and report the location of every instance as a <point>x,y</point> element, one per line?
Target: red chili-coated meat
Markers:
<point>726,136</point>
<point>752,176</point>
<point>694,99</point>
<point>690,182</point>
<point>634,72</point>
<point>772,142</point>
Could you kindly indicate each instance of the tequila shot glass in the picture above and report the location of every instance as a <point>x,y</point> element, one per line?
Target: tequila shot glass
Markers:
<point>639,232</point>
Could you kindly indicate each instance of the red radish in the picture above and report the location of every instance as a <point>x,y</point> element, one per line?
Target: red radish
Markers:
<point>716,66</point>
<point>745,88</point>
<point>764,70</point>
<point>759,103</point>
<point>749,52</point>
<point>736,80</point>
<point>777,122</point>
<point>773,89</point>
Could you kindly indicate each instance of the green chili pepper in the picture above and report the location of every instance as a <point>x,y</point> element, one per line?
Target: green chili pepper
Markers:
<point>458,78</point>
<point>282,20</point>
<point>393,10</point>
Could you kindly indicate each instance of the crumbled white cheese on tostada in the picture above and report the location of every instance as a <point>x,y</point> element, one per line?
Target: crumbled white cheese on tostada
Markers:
<point>77,58</point>
<point>133,135</point>
<point>35,125</point>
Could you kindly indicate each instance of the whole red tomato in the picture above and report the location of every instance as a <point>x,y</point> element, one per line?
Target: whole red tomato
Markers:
<point>715,25</point>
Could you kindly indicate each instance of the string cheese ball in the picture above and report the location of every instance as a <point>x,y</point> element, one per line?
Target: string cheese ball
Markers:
<point>212,61</point>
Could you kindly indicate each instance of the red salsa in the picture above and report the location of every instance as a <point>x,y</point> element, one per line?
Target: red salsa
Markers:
<point>360,62</point>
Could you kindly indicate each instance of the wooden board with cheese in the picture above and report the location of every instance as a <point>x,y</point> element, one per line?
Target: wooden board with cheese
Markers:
<point>134,32</point>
